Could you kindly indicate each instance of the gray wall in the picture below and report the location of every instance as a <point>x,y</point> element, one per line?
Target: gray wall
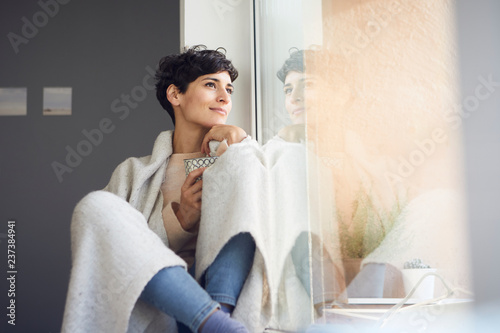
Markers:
<point>479,44</point>
<point>101,49</point>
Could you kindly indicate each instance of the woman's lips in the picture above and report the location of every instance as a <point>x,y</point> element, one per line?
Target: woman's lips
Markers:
<point>219,110</point>
<point>298,111</point>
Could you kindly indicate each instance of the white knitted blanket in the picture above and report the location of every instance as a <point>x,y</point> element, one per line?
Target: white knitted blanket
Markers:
<point>263,191</point>
<point>119,242</point>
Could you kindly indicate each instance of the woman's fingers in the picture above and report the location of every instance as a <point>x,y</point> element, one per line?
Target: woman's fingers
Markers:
<point>196,188</point>
<point>192,177</point>
<point>190,203</point>
<point>191,190</point>
<point>232,134</point>
<point>205,148</point>
<point>197,200</point>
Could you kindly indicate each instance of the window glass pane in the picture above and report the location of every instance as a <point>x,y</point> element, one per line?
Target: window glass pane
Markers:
<point>309,271</point>
<point>381,128</point>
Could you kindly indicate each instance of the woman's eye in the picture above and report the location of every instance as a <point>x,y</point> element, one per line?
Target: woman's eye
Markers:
<point>230,91</point>
<point>288,91</point>
<point>210,84</point>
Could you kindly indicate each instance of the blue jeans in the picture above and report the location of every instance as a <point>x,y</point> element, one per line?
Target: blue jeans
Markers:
<point>175,292</point>
<point>310,259</point>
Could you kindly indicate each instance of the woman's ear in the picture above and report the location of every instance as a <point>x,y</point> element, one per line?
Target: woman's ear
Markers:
<point>173,95</point>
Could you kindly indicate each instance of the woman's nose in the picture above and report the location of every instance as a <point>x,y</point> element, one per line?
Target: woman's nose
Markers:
<point>298,95</point>
<point>224,96</point>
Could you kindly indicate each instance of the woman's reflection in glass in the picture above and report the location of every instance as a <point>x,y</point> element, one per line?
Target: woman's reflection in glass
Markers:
<point>312,260</point>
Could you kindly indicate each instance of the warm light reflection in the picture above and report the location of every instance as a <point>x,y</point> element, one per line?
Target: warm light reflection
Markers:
<point>376,104</point>
<point>381,117</point>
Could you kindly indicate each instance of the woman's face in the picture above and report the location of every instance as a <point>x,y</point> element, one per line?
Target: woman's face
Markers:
<point>295,88</point>
<point>207,100</point>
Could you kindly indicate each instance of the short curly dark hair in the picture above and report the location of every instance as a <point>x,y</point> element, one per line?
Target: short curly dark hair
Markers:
<point>182,69</point>
<point>295,63</point>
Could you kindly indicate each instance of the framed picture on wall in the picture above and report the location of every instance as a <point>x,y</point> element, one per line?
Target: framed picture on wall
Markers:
<point>57,101</point>
<point>13,101</point>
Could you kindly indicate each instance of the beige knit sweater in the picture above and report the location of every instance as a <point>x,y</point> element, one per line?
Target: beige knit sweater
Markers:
<point>182,242</point>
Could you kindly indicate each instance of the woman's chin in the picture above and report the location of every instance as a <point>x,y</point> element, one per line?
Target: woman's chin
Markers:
<point>211,124</point>
<point>221,121</point>
<point>300,119</point>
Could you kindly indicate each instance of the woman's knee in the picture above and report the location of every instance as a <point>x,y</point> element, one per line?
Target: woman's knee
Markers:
<point>239,249</point>
<point>242,240</point>
<point>102,207</point>
<point>95,200</point>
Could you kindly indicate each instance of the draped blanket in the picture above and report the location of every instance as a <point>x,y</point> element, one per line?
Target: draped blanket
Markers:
<point>263,191</point>
<point>119,243</point>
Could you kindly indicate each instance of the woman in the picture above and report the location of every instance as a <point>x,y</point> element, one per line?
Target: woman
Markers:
<point>131,248</point>
<point>301,92</point>
<point>295,86</point>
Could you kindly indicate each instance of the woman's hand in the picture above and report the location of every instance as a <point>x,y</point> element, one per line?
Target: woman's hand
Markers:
<point>232,134</point>
<point>188,211</point>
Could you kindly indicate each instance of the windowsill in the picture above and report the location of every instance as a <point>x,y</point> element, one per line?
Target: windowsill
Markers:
<point>375,312</point>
